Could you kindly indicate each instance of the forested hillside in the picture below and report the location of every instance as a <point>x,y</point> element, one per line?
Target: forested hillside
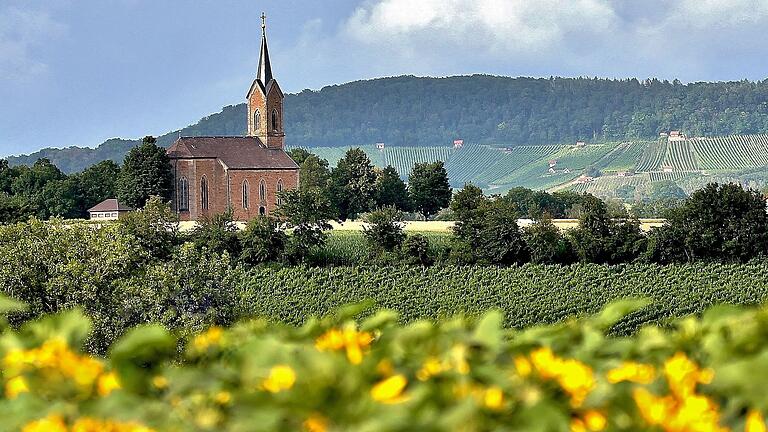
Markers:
<point>481,109</point>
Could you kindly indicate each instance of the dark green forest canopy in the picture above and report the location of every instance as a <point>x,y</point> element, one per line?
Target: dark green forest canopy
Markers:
<point>481,109</point>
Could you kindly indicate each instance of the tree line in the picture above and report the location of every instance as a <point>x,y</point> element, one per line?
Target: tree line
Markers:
<point>483,109</point>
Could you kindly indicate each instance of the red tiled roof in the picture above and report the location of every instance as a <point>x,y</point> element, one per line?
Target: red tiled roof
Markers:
<point>234,152</point>
<point>110,205</point>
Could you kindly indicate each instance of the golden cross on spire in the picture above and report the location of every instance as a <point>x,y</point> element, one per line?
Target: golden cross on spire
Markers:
<point>263,20</point>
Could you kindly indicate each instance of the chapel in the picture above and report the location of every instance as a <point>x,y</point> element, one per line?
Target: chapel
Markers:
<point>243,173</point>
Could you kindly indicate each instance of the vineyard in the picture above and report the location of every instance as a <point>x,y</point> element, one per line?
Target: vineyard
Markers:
<point>691,163</point>
<point>528,295</point>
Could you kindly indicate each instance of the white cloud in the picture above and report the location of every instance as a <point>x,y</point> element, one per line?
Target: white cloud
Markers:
<point>499,25</point>
<point>21,32</point>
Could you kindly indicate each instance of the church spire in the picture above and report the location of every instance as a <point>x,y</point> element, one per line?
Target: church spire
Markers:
<point>265,67</point>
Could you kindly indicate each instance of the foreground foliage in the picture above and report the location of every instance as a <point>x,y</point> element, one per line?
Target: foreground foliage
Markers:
<point>336,374</point>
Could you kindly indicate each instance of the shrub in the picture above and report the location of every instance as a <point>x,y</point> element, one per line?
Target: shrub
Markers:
<point>416,250</point>
<point>384,232</point>
<point>262,240</point>
<point>217,233</point>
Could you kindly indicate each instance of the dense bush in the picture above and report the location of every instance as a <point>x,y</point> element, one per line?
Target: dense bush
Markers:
<point>335,374</point>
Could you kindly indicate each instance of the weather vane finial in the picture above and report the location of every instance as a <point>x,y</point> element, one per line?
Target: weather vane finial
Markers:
<point>263,21</point>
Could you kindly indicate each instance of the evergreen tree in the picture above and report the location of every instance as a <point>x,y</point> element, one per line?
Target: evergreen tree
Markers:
<point>146,172</point>
<point>429,188</point>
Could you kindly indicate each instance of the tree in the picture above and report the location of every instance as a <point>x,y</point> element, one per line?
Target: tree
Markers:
<point>314,173</point>
<point>467,207</point>
<point>391,190</point>
<point>429,188</point>
<point>384,232</point>
<point>719,222</point>
<point>299,155</point>
<point>98,182</point>
<point>155,227</point>
<point>146,172</point>
<point>307,212</point>
<point>353,183</point>
<point>667,189</point>
<point>15,208</point>
<point>501,241</point>
<point>217,233</point>
<point>262,240</point>
<point>546,244</point>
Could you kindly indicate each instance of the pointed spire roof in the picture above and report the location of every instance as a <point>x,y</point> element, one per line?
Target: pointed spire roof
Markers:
<point>265,67</point>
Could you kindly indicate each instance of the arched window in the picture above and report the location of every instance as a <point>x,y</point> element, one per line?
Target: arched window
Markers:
<point>279,190</point>
<point>262,210</point>
<point>256,120</point>
<point>262,192</point>
<point>245,194</point>
<point>182,194</point>
<point>204,193</point>
<point>275,124</point>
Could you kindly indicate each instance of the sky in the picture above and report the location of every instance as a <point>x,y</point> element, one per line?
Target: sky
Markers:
<point>77,72</point>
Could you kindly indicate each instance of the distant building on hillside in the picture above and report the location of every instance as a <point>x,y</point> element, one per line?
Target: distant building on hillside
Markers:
<point>676,136</point>
<point>581,144</point>
<point>584,179</point>
<point>109,209</point>
<point>379,146</point>
<point>459,143</point>
<point>552,163</point>
<point>667,169</point>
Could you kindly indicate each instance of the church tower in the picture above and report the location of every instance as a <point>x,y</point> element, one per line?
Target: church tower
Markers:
<point>265,100</point>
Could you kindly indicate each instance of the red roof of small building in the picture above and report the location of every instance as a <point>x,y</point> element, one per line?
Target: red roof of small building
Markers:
<point>234,152</point>
<point>110,205</point>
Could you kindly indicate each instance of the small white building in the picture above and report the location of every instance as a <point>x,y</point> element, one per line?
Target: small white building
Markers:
<point>675,136</point>
<point>459,143</point>
<point>109,209</point>
<point>581,143</point>
<point>379,146</point>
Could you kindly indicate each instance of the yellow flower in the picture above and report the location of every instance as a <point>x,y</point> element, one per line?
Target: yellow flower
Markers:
<point>159,382</point>
<point>595,420</point>
<point>576,378</point>
<point>545,362</point>
<point>389,390</point>
<point>523,366</point>
<point>349,339</point>
<point>493,398</point>
<point>431,367</point>
<point>108,383</point>
<point>655,410</point>
<point>459,359</point>
<point>223,397</point>
<point>52,423</point>
<point>633,372</point>
<point>210,338</point>
<point>88,424</point>
<point>577,425</point>
<point>755,422</point>
<point>316,423</point>
<point>683,375</point>
<point>15,386</point>
<point>281,377</point>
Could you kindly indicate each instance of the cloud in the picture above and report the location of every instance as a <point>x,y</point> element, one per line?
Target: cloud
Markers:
<point>22,31</point>
<point>498,25</point>
<point>689,39</point>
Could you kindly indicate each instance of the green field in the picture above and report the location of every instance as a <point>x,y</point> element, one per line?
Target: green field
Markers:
<point>528,295</point>
<point>691,163</point>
